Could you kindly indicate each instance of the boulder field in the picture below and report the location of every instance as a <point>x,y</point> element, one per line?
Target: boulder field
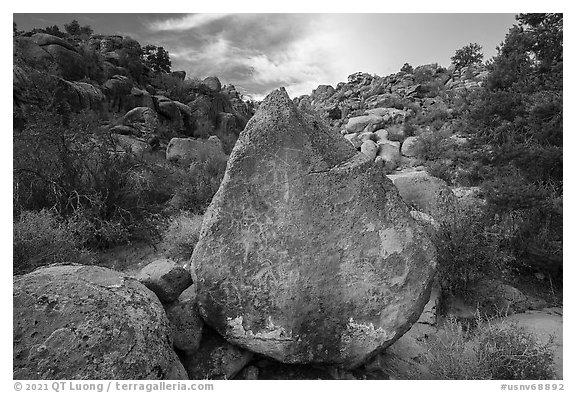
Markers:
<point>307,253</point>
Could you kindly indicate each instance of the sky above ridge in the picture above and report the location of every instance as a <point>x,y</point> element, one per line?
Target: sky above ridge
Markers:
<point>260,52</point>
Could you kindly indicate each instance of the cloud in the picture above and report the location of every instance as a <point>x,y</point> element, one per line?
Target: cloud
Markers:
<point>258,52</point>
<point>187,22</point>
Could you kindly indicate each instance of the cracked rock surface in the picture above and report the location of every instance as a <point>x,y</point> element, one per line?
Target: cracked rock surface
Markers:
<point>89,322</point>
<point>307,254</point>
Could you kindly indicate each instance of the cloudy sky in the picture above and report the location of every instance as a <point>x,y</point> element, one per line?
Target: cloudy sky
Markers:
<point>260,52</point>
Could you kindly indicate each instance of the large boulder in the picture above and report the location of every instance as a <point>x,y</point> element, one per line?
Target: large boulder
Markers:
<point>140,98</point>
<point>31,52</point>
<point>118,90</point>
<point>185,151</point>
<point>426,193</point>
<point>72,64</point>
<point>89,322</point>
<point>81,95</point>
<point>168,108</point>
<point>44,39</point>
<point>130,144</point>
<point>307,253</point>
<point>389,115</point>
<point>142,120</point>
<point>361,123</point>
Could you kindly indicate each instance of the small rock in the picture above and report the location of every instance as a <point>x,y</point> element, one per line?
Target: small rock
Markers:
<point>369,148</point>
<point>166,279</point>
<point>409,147</point>
<point>213,83</point>
<point>216,358</point>
<point>250,373</point>
<point>381,135</point>
<point>185,321</point>
<point>367,136</point>
<point>354,140</point>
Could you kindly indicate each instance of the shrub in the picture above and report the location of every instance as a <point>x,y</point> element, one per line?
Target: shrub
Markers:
<point>407,68</point>
<point>467,55</point>
<point>467,249</point>
<point>73,167</point>
<point>433,146</point>
<point>452,356</point>
<point>42,238</point>
<point>176,89</point>
<point>441,170</point>
<point>181,235</point>
<point>492,350</point>
<point>510,352</point>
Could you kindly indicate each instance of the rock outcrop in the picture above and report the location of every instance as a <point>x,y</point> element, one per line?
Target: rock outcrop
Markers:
<point>89,322</point>
<point>307,253</point>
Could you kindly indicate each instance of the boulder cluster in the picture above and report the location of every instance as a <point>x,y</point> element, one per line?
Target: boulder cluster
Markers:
<point>383,116</point>
<point>102,74</point>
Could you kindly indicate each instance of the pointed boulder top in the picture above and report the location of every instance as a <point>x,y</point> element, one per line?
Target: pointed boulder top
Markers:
<point>279,129</point>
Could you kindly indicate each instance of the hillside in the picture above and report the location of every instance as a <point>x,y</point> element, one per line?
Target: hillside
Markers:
<point>110,76</point>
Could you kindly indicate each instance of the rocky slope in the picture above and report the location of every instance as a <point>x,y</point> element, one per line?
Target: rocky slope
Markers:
<point>384,116</point>
<point>106,74</point>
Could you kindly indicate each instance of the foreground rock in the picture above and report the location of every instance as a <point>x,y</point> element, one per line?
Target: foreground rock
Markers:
<point>307,253</point>
<point>88,322</point>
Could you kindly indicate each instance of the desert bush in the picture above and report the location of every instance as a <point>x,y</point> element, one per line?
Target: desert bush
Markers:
<point>177,89</point>
<point>441,169</point>
<point>435,118</point>
<point>467,248</point>
<point>407,68</point>
<point>451,356</point>
<point>510,352</point>
<point>492,350</point>
<point>42,238</point>
<point>73,167</point>
<point>432,146</point>
<point>181,235</point>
